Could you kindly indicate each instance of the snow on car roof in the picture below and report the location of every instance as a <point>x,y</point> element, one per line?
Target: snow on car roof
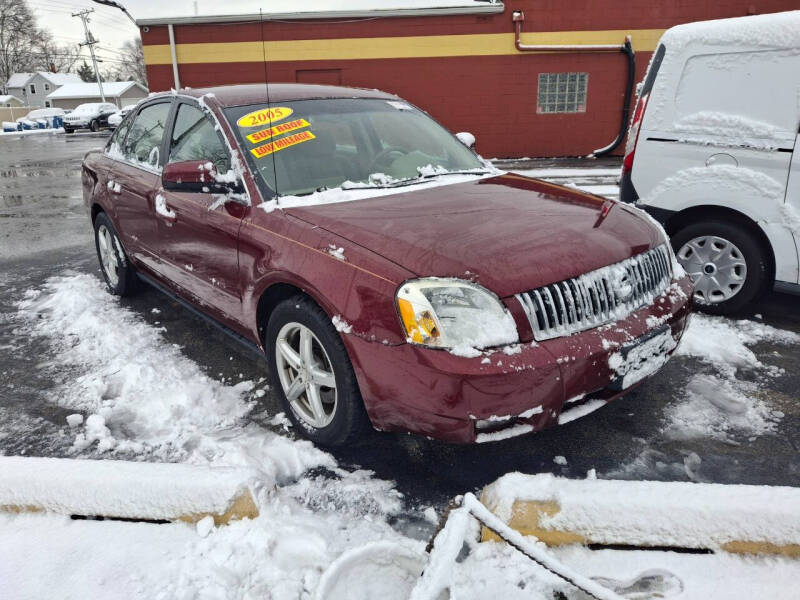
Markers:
<point>111,89</point>
<point>777,30</point>
<point>188,11</point>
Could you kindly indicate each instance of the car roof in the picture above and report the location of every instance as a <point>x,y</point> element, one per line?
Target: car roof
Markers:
<point>237,95</point>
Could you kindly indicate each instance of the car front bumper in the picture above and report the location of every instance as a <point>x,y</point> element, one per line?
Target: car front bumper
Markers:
<point>518,389</point>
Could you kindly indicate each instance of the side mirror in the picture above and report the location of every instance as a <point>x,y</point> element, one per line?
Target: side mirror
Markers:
<point>467,139</point>
<point>199,176</point>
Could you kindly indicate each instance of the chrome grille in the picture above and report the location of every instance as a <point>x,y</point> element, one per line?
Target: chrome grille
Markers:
<point>593,299</point>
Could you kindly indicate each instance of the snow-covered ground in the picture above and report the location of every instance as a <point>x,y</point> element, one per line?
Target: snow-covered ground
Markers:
<point>141,397</point>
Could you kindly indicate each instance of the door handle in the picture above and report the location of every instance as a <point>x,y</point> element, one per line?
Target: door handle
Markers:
<point>163,210</point>
<point>114,187</point>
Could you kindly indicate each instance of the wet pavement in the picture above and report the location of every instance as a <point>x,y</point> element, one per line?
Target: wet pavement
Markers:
<point>45,232</point>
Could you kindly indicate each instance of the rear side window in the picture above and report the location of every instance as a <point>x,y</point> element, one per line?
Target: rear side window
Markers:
<point>143,143</point>
<point>731,94</point>
<point>194,137</point>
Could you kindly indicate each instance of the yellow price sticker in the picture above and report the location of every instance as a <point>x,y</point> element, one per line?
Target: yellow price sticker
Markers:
<point>265,116</point>
<point>271,132</point>
<point>282,144</point>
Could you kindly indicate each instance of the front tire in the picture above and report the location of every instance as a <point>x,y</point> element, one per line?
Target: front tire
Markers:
<point>94,126</point>
<point>729,265</point>
<point>311,371</point>
<point>118,272</point>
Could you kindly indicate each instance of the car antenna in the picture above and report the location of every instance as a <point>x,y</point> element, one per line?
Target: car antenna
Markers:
<point>266,86</point>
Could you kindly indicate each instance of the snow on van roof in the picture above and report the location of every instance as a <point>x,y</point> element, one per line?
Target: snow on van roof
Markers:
<point>206,10</point>
<point>777,30</point>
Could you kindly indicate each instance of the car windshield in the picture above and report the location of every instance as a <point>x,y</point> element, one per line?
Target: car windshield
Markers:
<point>301,147</point>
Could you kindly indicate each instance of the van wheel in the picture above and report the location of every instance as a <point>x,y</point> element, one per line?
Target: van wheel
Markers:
<point>728,264</point>
<point>118,272</point>
<point>313,375</point>
<point>94,126</point>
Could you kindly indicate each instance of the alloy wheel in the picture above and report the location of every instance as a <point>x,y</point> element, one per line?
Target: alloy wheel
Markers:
<point>717,268</point>
<point>306,375</point>
<point>108,258</point>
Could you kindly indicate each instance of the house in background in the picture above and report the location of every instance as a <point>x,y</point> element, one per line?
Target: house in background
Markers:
<point>117,92</point>
<point>32,89</point>
<point>9,101</point>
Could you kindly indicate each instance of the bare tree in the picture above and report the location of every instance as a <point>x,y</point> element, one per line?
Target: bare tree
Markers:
<point>131,65</point>
<point>18,34</point>
<point>51,56</point>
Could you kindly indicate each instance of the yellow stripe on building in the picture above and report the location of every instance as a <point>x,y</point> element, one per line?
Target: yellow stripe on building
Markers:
<point>431,46</point>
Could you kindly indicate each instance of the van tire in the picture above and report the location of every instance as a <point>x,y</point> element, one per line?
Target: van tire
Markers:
<point>750,247</point>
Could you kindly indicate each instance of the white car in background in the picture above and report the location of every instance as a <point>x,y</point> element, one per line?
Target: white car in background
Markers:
<point>53,117</point>
<point>713,154</point>
<point>92,115</point>
<point>115,119</point>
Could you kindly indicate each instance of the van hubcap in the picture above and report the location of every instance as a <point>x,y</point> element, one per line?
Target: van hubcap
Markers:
<point>306,375</point>
<point>108,258</point>
<point>716,266</point>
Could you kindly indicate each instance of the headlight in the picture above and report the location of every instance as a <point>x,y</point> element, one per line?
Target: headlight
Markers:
<point>452,313</point>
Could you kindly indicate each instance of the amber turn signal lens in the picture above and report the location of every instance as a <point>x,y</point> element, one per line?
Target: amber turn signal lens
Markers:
<point>418,329</point>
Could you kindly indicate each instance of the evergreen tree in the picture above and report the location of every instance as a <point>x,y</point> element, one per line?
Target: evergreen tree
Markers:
<point>86,73</point>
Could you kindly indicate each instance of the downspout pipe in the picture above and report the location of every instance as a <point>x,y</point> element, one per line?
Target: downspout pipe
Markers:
<point>627,49</point>
<point>518,17</point>
<point>174,54</point>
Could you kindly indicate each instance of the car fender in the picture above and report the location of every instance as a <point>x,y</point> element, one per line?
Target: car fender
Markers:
<point>751,193</point>
<point>355,286</point>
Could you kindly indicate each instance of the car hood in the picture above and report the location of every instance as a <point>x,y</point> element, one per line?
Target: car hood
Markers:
<point>509,233</point>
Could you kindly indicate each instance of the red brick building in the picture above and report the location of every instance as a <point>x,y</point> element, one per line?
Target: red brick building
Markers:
<point>460,63</point>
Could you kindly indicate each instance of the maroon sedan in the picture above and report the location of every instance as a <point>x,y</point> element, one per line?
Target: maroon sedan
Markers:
<point>391,276</point>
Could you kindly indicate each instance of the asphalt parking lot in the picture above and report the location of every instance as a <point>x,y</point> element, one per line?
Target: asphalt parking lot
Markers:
<point>44,232</point>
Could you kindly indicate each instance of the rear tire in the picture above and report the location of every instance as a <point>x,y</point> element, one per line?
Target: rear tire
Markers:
<point>118,272</point>
<point>68,130</point>
<point>324,373</point>
<point>728,263</point>
<point>94,126</point>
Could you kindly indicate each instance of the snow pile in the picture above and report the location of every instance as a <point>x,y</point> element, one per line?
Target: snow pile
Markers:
<point>715,407</point>
<point>719,406</point>
<point>142,396</point>
<point>649,513</point>
<point>724,343</point>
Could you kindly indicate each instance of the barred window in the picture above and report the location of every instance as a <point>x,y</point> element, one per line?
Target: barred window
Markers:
<point>562,92</point>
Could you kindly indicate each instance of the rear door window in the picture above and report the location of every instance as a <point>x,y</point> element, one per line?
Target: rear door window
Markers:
<point>142,145</point>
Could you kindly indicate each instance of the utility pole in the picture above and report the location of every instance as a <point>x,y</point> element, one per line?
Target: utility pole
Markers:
<point>90,41</point>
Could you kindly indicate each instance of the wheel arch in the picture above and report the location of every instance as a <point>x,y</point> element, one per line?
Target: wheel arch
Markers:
<point>694,214</point>
<point>276,292</point>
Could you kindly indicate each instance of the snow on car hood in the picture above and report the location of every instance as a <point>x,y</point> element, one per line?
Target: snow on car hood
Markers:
<point>510,233</point>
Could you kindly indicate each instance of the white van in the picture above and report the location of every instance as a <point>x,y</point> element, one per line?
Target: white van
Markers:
<point>713,154</point>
